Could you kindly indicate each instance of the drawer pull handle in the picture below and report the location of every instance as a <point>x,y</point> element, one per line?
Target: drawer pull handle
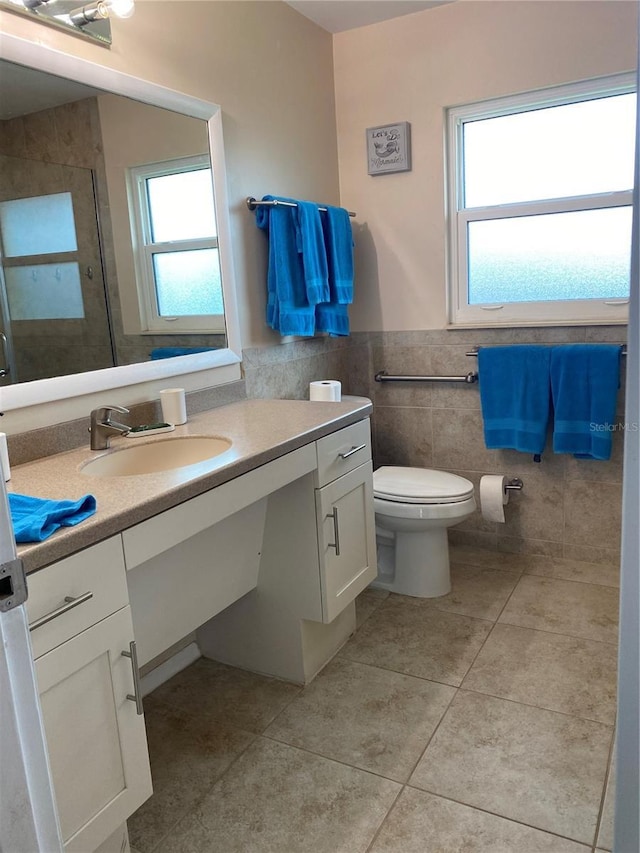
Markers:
<point>336,531</point>
<point>353,450</point>
<point>136,696</point>
<point>70,603</point>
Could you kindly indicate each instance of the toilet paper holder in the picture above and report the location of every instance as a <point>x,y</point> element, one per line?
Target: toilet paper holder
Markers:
<point>514,485</point>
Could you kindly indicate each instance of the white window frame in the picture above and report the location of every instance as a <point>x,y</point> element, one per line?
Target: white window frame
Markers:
<point>151,322</point>
<point>561,312</point>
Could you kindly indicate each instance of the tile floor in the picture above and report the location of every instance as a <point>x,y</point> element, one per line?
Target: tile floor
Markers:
<point>480,721</point>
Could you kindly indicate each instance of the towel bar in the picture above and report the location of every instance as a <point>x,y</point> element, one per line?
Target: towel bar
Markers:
<point>468,378</point>
<point>474,352</point>
<point>252,203</point>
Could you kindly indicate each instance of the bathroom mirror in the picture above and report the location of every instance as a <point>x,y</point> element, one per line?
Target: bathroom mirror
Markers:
<point>91,150</point>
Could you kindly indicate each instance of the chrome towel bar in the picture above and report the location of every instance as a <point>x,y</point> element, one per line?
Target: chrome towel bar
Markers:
<point>468,378</point>
<point>252,203</point>
<point>474,352</point>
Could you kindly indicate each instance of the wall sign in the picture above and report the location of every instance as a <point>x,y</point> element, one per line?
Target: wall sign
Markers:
<point>389,148</point>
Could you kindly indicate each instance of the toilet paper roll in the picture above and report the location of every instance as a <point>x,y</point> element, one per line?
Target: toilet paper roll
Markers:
<point>326,390</point>
<point>493,497</point>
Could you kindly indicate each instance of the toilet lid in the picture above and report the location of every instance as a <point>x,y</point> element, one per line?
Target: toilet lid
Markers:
<point>420,486</point>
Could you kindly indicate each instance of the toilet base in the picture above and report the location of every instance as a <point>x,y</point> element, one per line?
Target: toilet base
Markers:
<point>421,564</point>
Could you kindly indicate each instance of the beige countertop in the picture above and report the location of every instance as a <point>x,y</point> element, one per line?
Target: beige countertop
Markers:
<point>261,430</point>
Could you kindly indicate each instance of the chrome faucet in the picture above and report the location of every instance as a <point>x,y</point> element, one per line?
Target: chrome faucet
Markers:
<point>102,427</point>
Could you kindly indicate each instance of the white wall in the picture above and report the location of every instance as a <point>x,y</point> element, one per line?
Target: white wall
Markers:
<point>411,69</point>
<point>270,69</point>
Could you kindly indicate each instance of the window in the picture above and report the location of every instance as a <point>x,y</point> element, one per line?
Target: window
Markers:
<point>176,247</point>
<point>39,247</point>
<point>540,189</point>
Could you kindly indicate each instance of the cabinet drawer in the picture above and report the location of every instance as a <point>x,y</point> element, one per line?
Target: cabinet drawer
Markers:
<point>342,451</point>
<point>96,577</point>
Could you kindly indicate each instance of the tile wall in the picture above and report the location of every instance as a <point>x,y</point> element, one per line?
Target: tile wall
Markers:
<point>568,509</point>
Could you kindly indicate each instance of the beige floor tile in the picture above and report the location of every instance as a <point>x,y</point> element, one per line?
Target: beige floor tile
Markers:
<point>277,799</point>
<point>368,601</point>
<point>225,694</point>
<point>422,823</point>
<point>476,591</point>
<point>571,570</point>
<point>605,833</point>
<point>531,765</point>
<point>366,717</point>
<point>564,607</point>
<point>549,671</point>
<point>418,641</point>
<point>188,755</point>
<point>506,562</point>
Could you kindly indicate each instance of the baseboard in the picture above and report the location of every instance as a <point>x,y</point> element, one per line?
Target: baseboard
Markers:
<point>168,668</point>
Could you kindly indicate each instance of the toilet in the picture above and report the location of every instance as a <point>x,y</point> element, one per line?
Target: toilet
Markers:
<point>413,509</point>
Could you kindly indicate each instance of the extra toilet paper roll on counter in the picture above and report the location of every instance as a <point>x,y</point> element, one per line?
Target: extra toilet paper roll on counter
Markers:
<point>325,390</point>
<point>493,497</point>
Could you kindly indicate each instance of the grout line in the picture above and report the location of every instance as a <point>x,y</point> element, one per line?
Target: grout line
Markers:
<point>536,707</point>
<point>604,790</point>
<point>585,844</point>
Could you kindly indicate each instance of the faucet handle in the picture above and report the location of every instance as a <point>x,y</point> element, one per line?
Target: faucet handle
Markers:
<point>105,411</point>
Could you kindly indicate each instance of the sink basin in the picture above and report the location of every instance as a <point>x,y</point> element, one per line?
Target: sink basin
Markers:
<point>163,455</point>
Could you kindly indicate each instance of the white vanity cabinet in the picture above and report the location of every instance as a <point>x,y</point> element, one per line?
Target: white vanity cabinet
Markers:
<point>80,626</point>
<point>344,517</point>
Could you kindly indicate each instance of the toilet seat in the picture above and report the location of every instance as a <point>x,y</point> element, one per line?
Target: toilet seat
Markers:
<point>420,486</point>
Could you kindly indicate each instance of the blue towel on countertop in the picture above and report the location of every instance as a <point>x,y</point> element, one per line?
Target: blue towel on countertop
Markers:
<point>310,243</point>
<point>288,310</point>
<point>35,519</point>
<point>515,396</point>
<point>584,385</point>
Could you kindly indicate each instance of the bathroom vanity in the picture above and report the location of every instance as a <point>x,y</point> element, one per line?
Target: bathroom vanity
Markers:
<point>259,551</point>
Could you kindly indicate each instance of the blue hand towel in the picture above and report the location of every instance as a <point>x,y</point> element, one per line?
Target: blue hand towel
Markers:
<point>35,519</point>
<point>338,238</point>
<point>515,396</point>
<point>288,310</point>
<point>584,384</point>
<point>172,352</point>
<point>310,242</point>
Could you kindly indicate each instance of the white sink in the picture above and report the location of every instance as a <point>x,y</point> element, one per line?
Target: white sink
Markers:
<point>163,455</point>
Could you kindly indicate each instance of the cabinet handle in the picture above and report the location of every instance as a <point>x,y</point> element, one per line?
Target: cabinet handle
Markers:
<point>136,696</point>
<point>353,450</point>
<point>336,531</point>
<point>71,602</point>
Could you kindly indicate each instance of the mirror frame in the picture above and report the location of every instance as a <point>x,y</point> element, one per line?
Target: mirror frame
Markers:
<point>43,58</point>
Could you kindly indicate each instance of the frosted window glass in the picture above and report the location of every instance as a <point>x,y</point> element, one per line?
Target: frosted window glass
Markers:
<point>577,255</point>
<point>38,226</point>
<point>44,292</point>
<point>188,283</point>
<point>181,206</point>
<point>569,150</point>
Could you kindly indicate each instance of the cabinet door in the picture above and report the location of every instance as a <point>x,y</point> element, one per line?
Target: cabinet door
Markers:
<point>97,742</point>
<point>346,539</point>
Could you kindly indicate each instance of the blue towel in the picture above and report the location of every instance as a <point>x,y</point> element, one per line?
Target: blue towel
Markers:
<point>288,310</point>
<point>35,519</point>
<point>338,238</point>
<point>515,396</point>
<point>172,352</point>
<point>310,243</point>
<point>584,384</point>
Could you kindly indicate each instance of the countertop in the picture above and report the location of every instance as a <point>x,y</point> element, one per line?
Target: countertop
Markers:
<point>261,430</point>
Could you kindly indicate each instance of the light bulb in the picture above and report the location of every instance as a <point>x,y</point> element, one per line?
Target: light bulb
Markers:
<point>122,8</point>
